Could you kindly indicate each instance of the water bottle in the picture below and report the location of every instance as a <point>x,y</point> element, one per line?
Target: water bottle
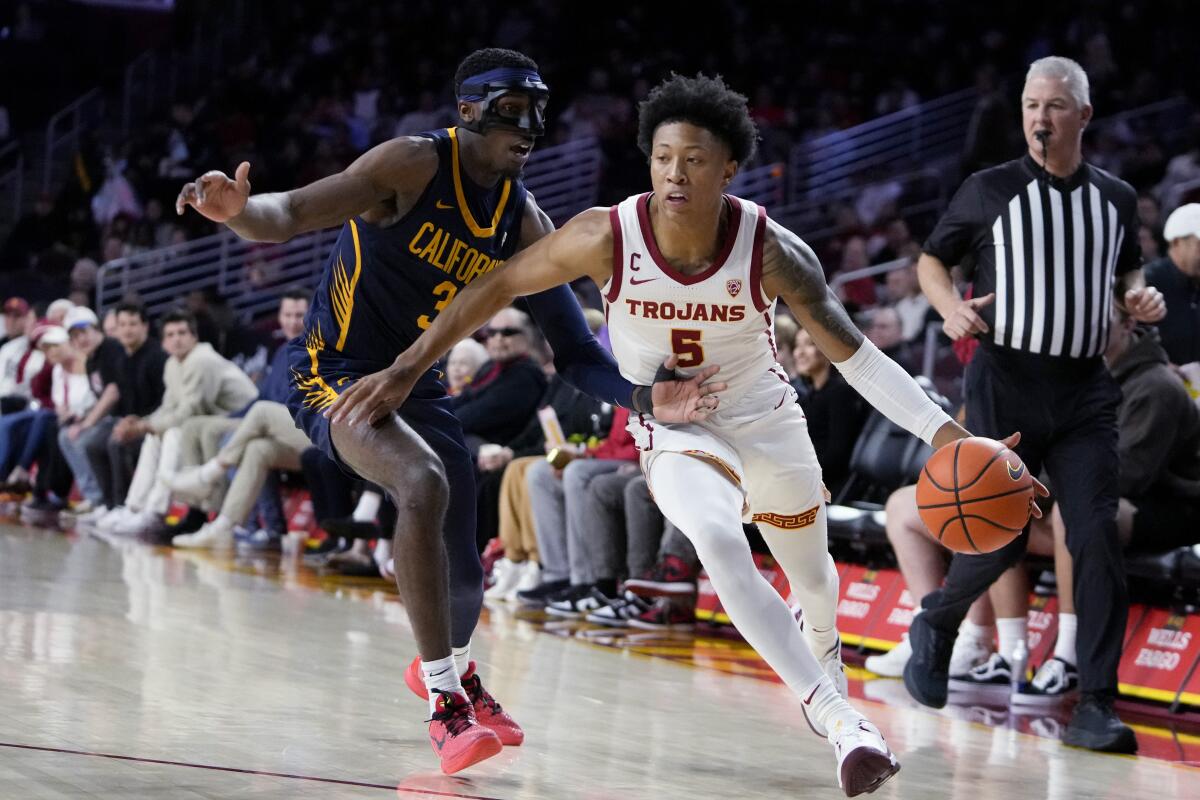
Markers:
<point>1019,662</point>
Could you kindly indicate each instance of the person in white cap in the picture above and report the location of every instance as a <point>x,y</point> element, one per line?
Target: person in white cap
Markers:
<point>1177,276</point>
<point>101,356</point>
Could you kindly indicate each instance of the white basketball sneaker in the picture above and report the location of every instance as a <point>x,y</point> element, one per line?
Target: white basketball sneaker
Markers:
<point>969,652</point>
<point>506,574</point>
<point>865,762</point>
<point>891,664</point>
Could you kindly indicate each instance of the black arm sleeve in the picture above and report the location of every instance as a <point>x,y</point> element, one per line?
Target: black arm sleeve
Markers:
<point>578,357</point>
<point>955,233</point>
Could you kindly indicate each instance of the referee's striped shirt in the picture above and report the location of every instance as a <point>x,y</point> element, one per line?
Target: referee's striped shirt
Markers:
<point>1049,248</point>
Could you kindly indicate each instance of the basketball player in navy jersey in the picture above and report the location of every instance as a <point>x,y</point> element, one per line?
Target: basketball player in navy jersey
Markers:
<point>423,217</point>
<point>691,271</point>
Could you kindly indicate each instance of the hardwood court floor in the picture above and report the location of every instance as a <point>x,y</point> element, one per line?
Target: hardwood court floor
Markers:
<point>133,672</point>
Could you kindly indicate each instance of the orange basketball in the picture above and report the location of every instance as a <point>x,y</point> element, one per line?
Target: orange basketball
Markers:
<point>975,495</point>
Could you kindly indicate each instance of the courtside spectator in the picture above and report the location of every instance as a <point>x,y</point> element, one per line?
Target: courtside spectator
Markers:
<point>1177,276</point>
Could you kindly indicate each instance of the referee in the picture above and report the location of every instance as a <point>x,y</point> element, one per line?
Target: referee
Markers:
<point>1043,238</point>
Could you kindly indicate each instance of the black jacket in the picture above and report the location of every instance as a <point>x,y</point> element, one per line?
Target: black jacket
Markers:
<point>500,401</point>
<point>140,379</point>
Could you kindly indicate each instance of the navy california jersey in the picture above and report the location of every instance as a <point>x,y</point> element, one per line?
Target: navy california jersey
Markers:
<point>383,286</point>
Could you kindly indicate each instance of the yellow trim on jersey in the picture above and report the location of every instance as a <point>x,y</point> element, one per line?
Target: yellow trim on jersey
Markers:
<point>318,394</point>
<point>342,291</point>
<point>455,172</point>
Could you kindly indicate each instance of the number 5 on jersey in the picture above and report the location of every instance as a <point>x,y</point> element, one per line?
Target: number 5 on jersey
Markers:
<point>686,345</point>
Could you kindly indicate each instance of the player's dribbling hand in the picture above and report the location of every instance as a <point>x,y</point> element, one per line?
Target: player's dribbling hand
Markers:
<point>685,399</point>
<point>215,195</point>
<point>965,320</point>
<point>1145,304</point>
<point>371,398</point>
<point>1011,441</point>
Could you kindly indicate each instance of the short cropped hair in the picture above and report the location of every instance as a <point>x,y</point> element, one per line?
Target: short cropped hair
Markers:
<point>132,308</point>
<point>178,315</point>
<point>1066,70</point>
<point>295,293</point>
<point>704,102</point>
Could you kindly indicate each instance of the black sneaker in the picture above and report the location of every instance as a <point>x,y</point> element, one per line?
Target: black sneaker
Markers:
<point>576,602</point>
<point>540,594</point>
<point>350,528</point>
<point>995,674</point>
<point>617,613</point>
<point>927,672</point>
<point>1096,726</point>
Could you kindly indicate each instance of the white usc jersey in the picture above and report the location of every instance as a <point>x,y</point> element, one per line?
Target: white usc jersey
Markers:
<point>718,316</point>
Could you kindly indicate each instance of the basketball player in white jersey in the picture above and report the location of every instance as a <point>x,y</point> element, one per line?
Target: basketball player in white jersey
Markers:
<point>691,272</point>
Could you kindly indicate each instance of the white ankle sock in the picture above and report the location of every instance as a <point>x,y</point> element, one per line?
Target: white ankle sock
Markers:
<point>221,523</point>
<point>1064,648</point>
<point>462,658</point>
<point>442,675</point>
<point>367,508</point>
<point>211,470</point>
<point>827,704</point>
<point>1011,630</point>
<point>982,632</point>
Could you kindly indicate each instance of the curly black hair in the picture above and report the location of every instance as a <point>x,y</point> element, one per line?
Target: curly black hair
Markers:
<point>490,58</point>
<point>704,102</point>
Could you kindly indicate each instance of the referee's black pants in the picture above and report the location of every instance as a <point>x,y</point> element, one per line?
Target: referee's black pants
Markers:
<point>1066,411</point>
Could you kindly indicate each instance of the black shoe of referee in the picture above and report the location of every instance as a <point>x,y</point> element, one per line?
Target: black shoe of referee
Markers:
<point>1096,726</point>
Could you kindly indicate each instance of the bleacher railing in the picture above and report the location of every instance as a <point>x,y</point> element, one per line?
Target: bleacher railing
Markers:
<point>565,179</point>
<point>63,133</point>
<point>763,185</point>
<point>249,275</point>
<point>12,182</point>
<point>922,133</point>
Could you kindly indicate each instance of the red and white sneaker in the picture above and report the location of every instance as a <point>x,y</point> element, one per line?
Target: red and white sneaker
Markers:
<point>484,707</point>
<point>865,762</point>
<point>457,737</point>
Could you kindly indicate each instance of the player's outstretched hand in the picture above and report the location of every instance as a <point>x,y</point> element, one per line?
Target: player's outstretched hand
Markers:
<point>684,399</point>
<point>371,398</point>
<point>1145,304</point>
<point>1011,441</point>
<point>965,320</point>
<point>215,195</point>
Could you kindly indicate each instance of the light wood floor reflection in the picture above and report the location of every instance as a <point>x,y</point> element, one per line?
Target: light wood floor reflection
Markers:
<point>136,672</point>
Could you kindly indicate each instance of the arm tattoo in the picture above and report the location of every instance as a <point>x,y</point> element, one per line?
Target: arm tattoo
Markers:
<point>792,270</point>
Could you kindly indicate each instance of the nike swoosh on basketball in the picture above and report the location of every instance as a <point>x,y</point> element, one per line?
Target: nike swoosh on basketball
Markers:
<point>636,282</point>
<point>1015,472</point>
<point>443,206</point>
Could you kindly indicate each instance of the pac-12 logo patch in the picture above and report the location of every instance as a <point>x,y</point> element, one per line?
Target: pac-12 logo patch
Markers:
<point>733,287</point>
<point>1015,472</point>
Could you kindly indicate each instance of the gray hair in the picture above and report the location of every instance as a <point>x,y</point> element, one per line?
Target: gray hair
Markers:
<point>1065,69</point>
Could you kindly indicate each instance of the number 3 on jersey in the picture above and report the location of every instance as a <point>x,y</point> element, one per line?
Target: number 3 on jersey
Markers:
<point>686,345</point>
<point>446,290</point>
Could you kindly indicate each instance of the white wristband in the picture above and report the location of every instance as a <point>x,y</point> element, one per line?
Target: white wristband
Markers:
<point>893,391</point>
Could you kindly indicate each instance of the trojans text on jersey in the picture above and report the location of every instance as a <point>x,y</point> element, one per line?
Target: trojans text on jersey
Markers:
<point>697,312</point>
